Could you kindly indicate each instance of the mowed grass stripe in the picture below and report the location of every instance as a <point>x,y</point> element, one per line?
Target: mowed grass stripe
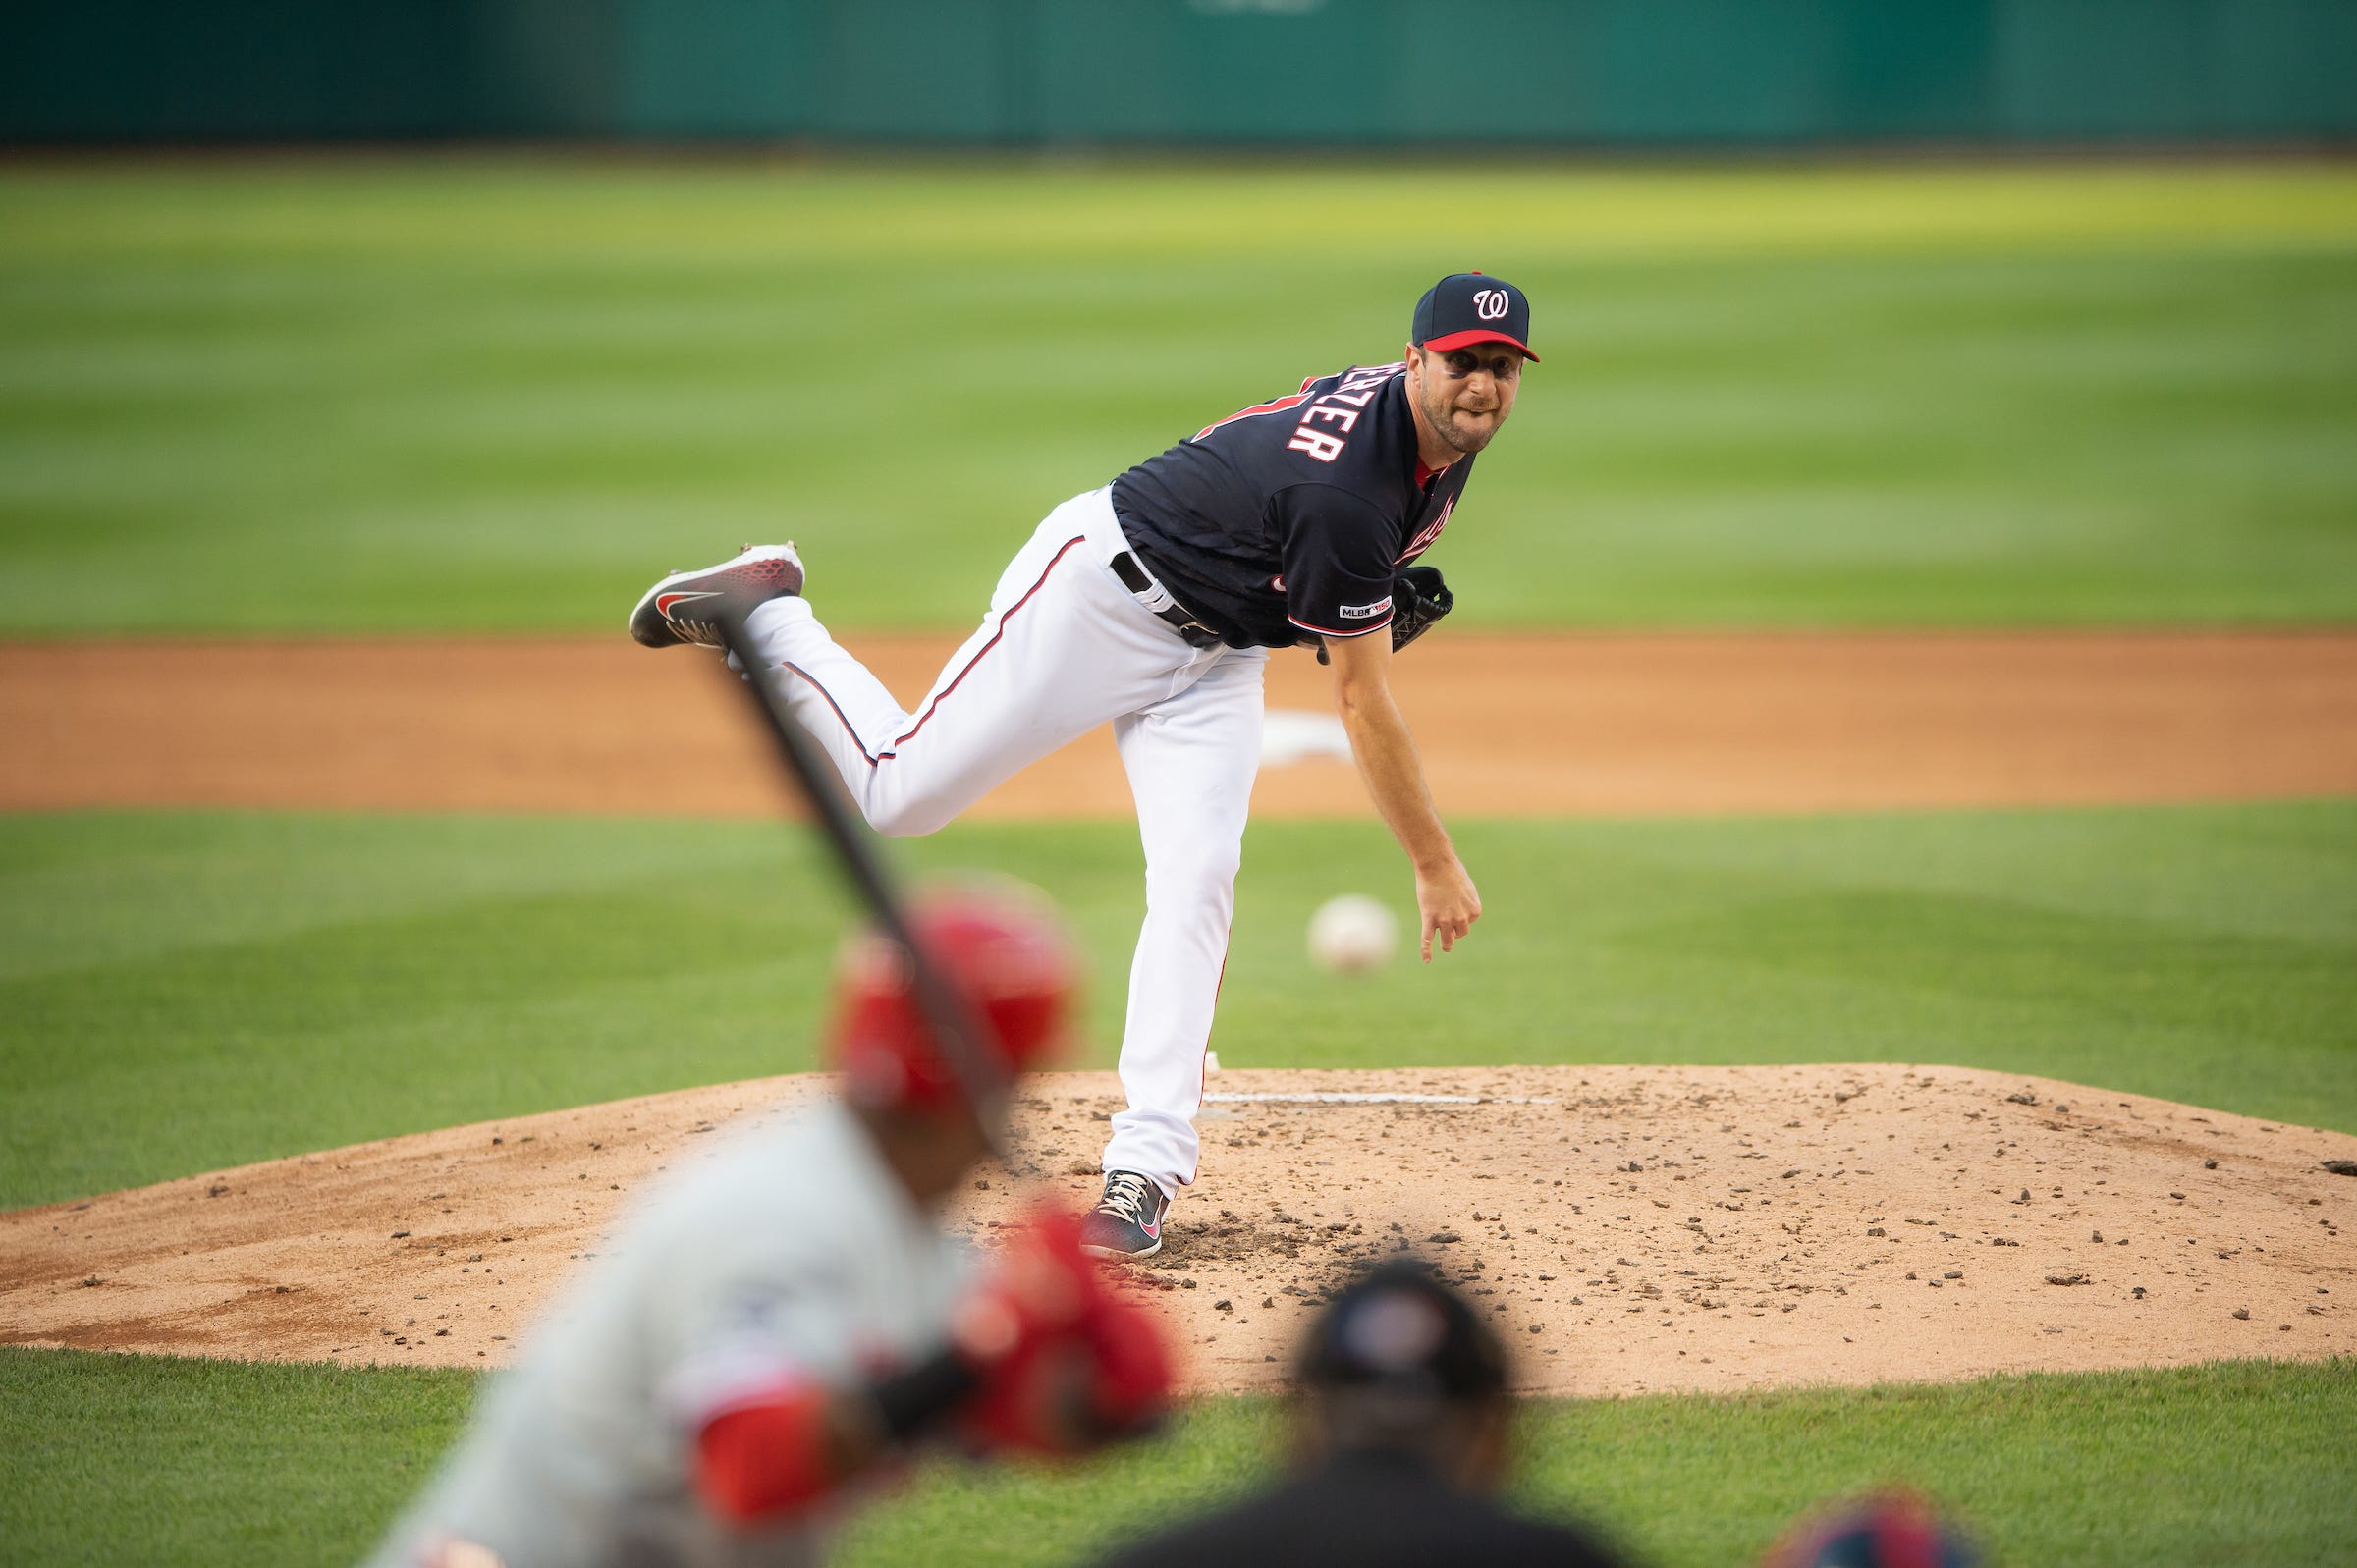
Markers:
<point>426,207</point>
<point>210,1462</point>
<point>405,393</point>
<point>181,993</point>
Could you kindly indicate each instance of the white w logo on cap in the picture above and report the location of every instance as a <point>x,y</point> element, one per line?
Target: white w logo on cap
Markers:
<point>1489,304</point>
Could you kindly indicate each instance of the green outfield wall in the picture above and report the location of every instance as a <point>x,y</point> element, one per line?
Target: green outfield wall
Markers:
<point>1034,72</point>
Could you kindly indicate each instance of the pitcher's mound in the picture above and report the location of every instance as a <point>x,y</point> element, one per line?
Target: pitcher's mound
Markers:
<point>1627,1228</point>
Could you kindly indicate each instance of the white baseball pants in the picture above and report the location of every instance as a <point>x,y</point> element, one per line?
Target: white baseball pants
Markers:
<point>1064,648</point>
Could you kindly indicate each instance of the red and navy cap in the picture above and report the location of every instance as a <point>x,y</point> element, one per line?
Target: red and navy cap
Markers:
<point>1888,1530</point>
<point>1467,307</point>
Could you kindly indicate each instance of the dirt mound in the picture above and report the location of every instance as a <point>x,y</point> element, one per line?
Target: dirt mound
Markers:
<point>1508,725</point>
<point>1631,1228</point>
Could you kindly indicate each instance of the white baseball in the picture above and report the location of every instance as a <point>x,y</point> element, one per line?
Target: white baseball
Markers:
<point>1352,934</point>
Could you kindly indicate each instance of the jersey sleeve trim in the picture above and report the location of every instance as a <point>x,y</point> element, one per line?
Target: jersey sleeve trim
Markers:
<point>744,1370</point>
<point>765,1461</point>
<point>1330,632</point>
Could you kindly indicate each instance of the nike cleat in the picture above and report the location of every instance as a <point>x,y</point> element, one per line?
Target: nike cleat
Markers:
<point>689,605</point>
<point>1126,1225</point>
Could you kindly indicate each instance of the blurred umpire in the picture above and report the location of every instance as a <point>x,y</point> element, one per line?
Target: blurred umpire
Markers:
<point>1403,1439</point>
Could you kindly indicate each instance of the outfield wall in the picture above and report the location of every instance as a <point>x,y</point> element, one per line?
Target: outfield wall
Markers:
<point>1026,73</point>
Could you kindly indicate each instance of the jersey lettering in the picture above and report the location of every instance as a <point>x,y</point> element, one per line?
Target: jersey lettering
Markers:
<point>1423,540</point>
<point>1323,445</point>
<point>1355,389</point>
<point>1290,520</point>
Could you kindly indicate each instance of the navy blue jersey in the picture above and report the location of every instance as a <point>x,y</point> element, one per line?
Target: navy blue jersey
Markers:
<point>1365,1509</point>
<point>1288,521</point>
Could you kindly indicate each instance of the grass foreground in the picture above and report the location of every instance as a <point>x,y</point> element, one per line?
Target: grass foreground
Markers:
<point>184,991</point>
<point>154,1459</point>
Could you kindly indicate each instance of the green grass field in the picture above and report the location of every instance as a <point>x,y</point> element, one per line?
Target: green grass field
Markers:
<point>2227,1463</point>
<point>339,394</point>
<point>239,987</point>
<point>369,394</point>
<point>184,991</point>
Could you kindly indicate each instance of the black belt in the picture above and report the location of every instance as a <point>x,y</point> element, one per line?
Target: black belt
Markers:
<point>1133,577</point>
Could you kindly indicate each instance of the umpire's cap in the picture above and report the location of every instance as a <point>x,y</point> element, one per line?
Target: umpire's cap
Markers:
<point>1469,308</point>
<point>1398,1330</point>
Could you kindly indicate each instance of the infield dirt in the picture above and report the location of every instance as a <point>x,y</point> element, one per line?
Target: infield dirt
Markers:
<point>1631,1230</point>
<point>1624,726</point>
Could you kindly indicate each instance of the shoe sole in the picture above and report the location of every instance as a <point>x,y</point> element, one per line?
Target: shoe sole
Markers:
<point>647,598</point>
<point>1115,1254</point>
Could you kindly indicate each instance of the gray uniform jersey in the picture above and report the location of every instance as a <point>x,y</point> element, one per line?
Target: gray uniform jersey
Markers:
<point>791,1255</point>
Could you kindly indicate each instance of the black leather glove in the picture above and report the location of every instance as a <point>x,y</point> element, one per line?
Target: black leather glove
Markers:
<point>1418,599</point>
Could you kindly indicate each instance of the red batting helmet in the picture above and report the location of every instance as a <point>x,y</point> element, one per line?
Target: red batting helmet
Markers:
<point>1000,946</point>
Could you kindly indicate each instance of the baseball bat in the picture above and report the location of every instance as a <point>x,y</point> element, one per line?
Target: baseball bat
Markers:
<point>956,1026</point>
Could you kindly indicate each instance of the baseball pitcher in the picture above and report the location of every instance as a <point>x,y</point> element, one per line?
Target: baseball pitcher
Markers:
<point>1150,603</point>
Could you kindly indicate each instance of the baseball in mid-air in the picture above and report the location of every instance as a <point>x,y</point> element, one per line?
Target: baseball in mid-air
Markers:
<point>1352,934</point>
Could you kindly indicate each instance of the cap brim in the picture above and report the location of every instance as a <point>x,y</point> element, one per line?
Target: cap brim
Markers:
<point>1459,340</point>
